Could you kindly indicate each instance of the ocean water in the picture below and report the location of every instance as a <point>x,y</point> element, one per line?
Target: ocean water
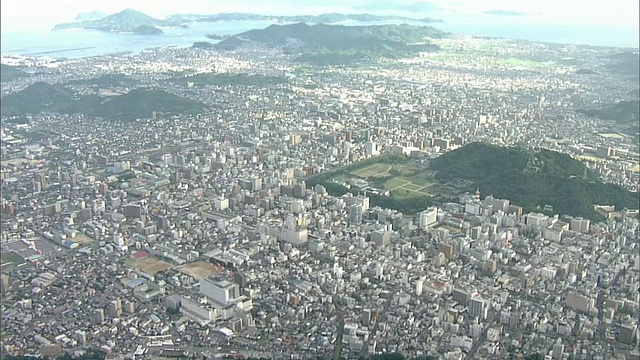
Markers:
<point>84,43</point>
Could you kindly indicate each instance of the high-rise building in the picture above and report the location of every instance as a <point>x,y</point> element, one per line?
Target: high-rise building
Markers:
<point>99,316</point>
<point>220,290</point>
<point>428,217</point>
<point>478,308</point>
<point>115,308</point>
<point>4,284</point>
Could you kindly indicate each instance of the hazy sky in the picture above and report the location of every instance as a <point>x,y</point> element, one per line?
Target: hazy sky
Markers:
<point>18,15</point>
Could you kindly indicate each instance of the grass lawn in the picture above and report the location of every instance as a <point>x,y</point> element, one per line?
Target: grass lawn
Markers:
<point>12,258</point>
<point>373,170</point>
<point>395,183</point>
<point>412,187</point>
<point>420,179</point>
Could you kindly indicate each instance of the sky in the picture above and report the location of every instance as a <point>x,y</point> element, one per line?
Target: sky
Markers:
<point>21,15</point>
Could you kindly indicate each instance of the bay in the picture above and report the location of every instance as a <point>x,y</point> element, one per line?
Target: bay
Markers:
<point>84,43</point>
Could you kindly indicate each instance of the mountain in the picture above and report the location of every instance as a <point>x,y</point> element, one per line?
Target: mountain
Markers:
<point>92,15</point>
<point>625,63</point>
<point>128,20</point>
<point>419,7</point>
<point>137,22</point>
<point>532,179</point>
<point>39,97</point>
<point>328,18</point>
<point>141,103</point>
<point>10,73</point>
<point>107,81</point>
<point>334,44</point>
<point>137,103</point>
<point>623,112</point>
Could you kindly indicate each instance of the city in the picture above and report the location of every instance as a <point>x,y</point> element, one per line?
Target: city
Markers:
<point>210,234</point>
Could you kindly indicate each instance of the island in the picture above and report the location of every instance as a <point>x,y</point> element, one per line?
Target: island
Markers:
<point>133,21</point>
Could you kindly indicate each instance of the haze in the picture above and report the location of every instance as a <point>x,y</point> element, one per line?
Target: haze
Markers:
<point>22,15</point>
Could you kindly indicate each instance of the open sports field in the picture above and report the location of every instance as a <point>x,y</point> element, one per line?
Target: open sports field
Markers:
<point>199,269</point>
<point>151,265</point>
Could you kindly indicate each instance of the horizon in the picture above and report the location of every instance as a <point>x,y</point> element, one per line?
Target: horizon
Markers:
<point>18,16</point>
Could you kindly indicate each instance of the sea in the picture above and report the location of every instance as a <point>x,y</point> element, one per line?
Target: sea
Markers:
<point>78,43</point>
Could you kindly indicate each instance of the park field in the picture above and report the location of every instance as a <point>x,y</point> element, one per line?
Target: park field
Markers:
<point>403,181</point>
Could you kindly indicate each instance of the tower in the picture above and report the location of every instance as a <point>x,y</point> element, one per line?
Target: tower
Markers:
<point>477,196</point>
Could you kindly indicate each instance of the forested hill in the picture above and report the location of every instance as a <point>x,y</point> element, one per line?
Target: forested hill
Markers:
<point>532,179</point>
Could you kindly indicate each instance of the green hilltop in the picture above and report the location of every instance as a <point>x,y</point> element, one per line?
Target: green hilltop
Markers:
<point>107,81</point>
<point>39,97</point>
<point>532,180</point>
<point>623,112</point>
<point>10,73</point>
<point>322,44</point>
<point>137,103</point>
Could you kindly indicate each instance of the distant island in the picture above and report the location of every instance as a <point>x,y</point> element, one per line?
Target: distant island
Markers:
<point>136,104</point>
<point>419,7</point>
<point>134,21</point>
<point>532,180</point>
<point>322,44</point>
<point>505,13</point>
<point>128,20</point>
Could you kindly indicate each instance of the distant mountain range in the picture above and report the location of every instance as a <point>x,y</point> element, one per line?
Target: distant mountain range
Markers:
<point>419,7</point>
<point>93,15</point>
<point>532,180</point>
<point>137,22</point>
<point>137,103</point>
<point>337,44</point>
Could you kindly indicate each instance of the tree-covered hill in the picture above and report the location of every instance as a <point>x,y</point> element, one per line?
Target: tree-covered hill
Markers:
<point>10,73</point>
<point>39,97</point>
<point>138,103</point>
<point>108,81</point>
<point>532,179</point>
<point>321,42</point>
<point>623,112</point>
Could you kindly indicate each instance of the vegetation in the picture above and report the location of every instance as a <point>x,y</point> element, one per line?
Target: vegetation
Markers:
<point>232,79</point>
<point>108,81</point>
<point>147,30</point>
<point>10,73</point>
<point>141,103</point>
<point>532,180</point>
<point>39,97</point>
<point>128,20</point>
<point>202,45</point>
<point>335,44</point>
<point>315,19</point>
<point>90,355</point>
<point>398,200</point>
<point>626,63</point>
<point>135,21</point>
<point>623,112</point>
<point>138,103</point>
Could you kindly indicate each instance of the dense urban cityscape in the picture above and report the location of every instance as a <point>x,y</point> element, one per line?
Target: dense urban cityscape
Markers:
<point>224,233</point>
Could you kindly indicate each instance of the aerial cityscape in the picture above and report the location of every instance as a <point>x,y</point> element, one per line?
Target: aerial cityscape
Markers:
<point>354,185</point>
